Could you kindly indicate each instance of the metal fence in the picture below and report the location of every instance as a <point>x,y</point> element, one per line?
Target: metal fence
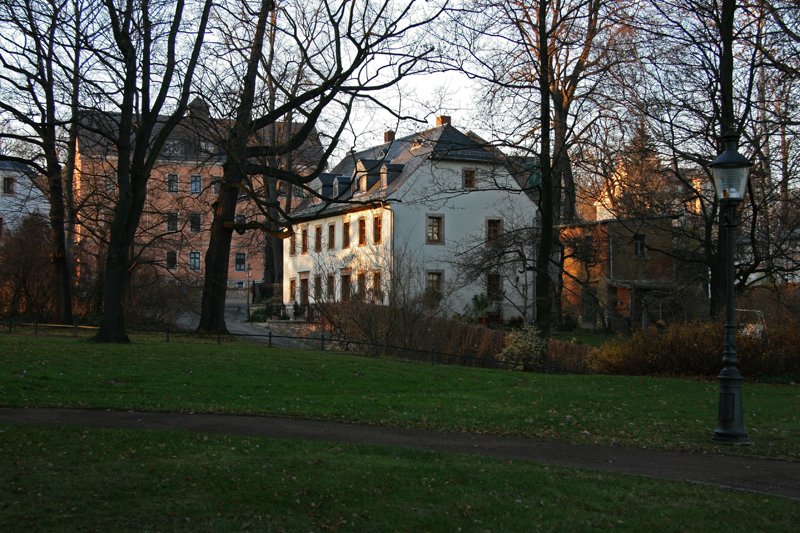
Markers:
<point>322,341</point>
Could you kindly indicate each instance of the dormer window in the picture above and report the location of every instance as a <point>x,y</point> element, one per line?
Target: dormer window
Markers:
<point>173,148</point>
<point>208,148</point>
<point>470,180</point>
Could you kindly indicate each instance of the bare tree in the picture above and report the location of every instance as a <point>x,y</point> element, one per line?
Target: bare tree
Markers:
<point>146,54</point>
<point>340,52</point>
<point>40,53</point>
<point>702,71</point>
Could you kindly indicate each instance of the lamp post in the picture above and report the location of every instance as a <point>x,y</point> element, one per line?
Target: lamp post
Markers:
<point>247,296</point>
<point>730,170</point>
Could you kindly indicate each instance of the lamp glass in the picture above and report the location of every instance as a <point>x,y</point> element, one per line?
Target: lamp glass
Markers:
<point>730,182</point>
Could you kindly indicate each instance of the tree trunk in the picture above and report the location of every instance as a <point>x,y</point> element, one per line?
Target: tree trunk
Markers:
<point>117,275</point>
<point>212,307</point>
<point>273,265</point>
<point>62,275</point>
<point>215,282</point>
<point>546,203</point>
<point>113,327</point>
<point>563,180</point>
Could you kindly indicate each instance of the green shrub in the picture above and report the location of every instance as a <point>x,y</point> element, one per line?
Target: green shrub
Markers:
<point>695,349</point>
<point>524,350</point>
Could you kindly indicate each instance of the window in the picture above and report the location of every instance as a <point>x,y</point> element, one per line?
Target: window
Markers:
<point>240,260</point>
<point>362,232</point>
<point>172,222</point>
<point>435,230</point>
<point>207,147</point>
<point>377,293</point>
<point>239,220</point>
<point>292,243</point>
<point>345,235</point>
<point>469,178</point>
<point>361,282</point>
<point>433,281</point>
<point>434,285</point>
<point>9,186</point>
<point>331,287</point>
<point>195,222</point>
<point>346,287</point>
<point>494,229</point>
<point>639,245</point>
<point>304,241</point>
<point>292,290</point>
<point>172,259</point>
<point>317,239</point>
<point>303,288</point>
<point>317,288</point>
<point>194,261</point>
<point>195,184</point>
<point>331,236</point>
<point>377,230</point>
<point>494,286</point>
<point>216,181</point>
<point>173,148</point>
<point>172,183</point>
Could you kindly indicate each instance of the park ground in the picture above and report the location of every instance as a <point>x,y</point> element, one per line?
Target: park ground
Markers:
<point>198,436</point>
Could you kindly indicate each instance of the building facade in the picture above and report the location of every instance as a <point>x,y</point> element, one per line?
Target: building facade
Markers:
<point>174,232</point>
<point>20,195</point>
<point>414,217</point>
<point>622,275</point>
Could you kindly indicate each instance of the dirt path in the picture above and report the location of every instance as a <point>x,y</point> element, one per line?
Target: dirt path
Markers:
<point>765,476</point>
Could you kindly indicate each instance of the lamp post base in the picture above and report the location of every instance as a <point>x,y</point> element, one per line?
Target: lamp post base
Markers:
<point>730,424</point>
<point>732,440</point>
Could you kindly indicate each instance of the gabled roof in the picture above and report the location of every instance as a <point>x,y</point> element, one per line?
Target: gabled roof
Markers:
<point>399,159</point>
<point>197,137</point>
<point>16,167</point>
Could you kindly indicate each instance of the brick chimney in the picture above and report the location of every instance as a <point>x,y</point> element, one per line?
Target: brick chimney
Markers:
<point>443,120</point>
<point>388,136</point>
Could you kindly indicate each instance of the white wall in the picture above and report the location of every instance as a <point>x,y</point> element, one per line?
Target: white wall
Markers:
<point>357,258</point>
<point>435,188</point>
<point>27,199</point>
<point>438,190</point>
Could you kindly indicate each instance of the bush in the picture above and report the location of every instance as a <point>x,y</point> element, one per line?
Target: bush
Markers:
<point>26,278</point>
<point>695,349</point>
<point>568,356</point>
<point>525,350</point>
<point>409,333</point>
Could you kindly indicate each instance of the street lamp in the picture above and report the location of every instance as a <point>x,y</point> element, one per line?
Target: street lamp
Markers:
<point>730,170</point>
<point>247,296</point>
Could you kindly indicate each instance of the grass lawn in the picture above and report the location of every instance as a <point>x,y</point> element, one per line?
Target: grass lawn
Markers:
<point>115,480</point>
<point>154,375</point>
<point>70,479</point>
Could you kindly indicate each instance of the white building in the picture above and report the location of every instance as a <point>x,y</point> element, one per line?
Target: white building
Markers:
<point>408,216</point>
<point>19,195</point>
